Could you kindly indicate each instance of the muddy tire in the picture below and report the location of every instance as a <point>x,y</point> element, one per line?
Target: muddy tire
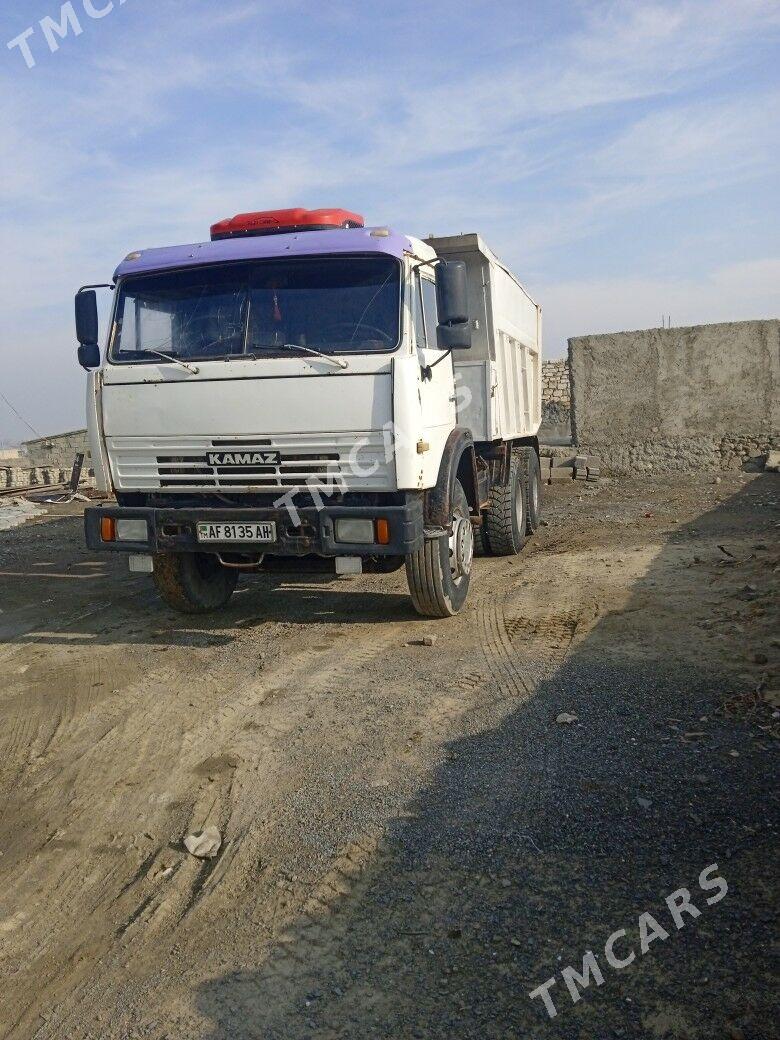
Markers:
<point>533,484</point>
<point>193,583</point>
<point>440,572</point>
<point>507,515</point>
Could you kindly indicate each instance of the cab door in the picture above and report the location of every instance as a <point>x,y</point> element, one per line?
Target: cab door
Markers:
<point>436,384</point>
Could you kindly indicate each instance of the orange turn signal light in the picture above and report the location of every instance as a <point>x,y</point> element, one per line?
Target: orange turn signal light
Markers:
<point>383,532</point>
<point>108,528</point>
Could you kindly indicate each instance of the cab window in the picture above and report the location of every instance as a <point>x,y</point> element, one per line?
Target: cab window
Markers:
<point>417,310</point>
<point>430,311</point>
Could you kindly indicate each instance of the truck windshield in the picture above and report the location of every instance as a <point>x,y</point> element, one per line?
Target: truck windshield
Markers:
<point>332,304</point>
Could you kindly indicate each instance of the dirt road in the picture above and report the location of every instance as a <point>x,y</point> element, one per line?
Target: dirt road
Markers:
<point>412,843</point>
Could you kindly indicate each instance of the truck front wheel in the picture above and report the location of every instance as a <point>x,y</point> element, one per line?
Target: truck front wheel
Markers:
<point>193,583</point>
<point>439,573</point>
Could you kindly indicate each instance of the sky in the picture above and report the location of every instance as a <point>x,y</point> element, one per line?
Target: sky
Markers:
<point>620,157</point>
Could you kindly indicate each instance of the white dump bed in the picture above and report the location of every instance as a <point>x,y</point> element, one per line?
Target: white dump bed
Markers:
<point>503,369</point>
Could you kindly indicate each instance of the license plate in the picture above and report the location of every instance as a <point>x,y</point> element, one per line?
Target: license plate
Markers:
<point>237,532</point>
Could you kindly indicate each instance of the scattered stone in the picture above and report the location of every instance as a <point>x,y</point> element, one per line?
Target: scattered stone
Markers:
<point>204,844</point>
<point>566,718</point>
<point>772,461</point>
<point>423,641</point>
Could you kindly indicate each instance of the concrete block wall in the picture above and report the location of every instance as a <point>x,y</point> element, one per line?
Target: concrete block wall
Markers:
<point>702,397</point>
<point>57,450</point>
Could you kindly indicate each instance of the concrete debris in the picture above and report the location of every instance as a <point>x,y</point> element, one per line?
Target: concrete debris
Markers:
<point>772,461</point>
<point>587,467</point>
<point>645,803</point>
<point>16,512</point>
<point>566,718</point>
<point>204,844</point>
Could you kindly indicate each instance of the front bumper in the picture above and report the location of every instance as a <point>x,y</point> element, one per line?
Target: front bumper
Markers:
<point>173,529</point>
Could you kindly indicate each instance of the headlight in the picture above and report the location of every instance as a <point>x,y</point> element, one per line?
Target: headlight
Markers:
<point>354,531</point>
<point>132,531</point>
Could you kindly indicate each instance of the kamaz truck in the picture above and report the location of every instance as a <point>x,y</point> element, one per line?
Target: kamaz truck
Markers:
<point>304,393</point>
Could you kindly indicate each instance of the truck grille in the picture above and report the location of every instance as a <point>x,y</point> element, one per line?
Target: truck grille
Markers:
<point>314,461</point>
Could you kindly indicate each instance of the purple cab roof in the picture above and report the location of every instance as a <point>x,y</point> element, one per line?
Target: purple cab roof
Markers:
<point>265,247</point>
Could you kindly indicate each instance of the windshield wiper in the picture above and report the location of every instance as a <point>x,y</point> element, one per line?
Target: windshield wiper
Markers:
<point>317,353</point>
<point>174,360</point>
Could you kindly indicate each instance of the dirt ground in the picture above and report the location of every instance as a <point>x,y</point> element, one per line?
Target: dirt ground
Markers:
<point>412,843</point>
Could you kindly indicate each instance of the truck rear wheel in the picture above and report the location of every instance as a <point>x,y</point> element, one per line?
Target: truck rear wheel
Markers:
<point>533,483</point>
<point>507,515</point>
<point>193,583</point>
<point>481,546</point>
<point>440,572</point>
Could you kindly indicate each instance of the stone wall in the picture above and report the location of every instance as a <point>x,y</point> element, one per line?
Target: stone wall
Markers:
<point>556,420</point>
<point>58,450</point>
<point>704,397</point>
<point>555,382</point>
<point>35,476</point>
<point>47,460</point>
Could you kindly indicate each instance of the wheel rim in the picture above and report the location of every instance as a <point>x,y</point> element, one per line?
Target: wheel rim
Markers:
<point>519,507</point>
<point>535,494</point>
<point>461,547</point>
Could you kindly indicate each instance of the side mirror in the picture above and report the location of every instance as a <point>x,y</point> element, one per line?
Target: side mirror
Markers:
<point>454,337</point>
<point>454,332</point>
<point>89,355</point>
<point>87,328</point>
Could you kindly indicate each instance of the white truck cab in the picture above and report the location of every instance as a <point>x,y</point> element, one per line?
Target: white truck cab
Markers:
<point>304,393</point>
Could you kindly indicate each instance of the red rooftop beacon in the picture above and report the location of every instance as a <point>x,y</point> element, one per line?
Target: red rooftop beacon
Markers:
<point>279,221</point>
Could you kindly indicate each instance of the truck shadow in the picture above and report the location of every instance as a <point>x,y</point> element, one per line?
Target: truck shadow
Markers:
<point>534,842</point>
<point>134,614</point>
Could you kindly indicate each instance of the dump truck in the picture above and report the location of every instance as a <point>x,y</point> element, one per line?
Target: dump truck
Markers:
<point>303,393</point>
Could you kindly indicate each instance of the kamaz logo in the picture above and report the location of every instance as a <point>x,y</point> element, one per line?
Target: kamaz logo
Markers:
<point>243,458</point>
